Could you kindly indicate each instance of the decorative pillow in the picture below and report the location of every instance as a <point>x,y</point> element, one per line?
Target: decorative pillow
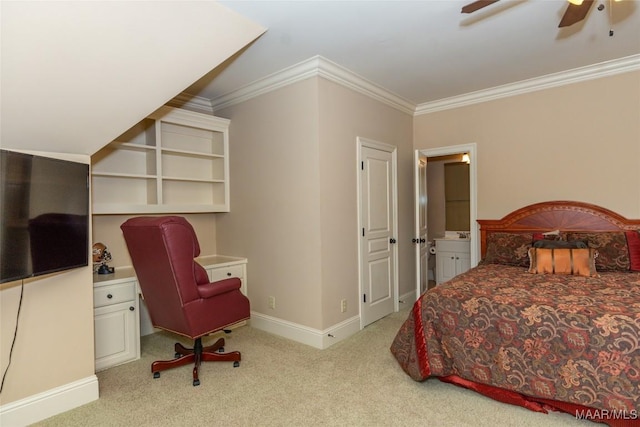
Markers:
<point>613,253</point>
<point>633,243</point>
<point>508,248</point>
<point>580,262</point>
<point>559,244</point>
<point>550,235</point>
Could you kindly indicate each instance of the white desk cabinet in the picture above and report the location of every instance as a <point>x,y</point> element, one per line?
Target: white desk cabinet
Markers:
<point>116,320</point>
<point>452,258</point>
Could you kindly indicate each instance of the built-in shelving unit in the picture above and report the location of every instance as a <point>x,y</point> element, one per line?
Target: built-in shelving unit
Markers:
<point>173,161</point>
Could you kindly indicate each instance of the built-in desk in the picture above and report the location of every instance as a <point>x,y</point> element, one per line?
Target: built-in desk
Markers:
<point>120,316</point>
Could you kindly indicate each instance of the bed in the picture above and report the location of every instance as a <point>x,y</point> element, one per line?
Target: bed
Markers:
<point>538,331</point>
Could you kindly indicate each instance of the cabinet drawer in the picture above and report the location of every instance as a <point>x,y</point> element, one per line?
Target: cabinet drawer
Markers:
<point>226,272</point>
<point>114,294</point>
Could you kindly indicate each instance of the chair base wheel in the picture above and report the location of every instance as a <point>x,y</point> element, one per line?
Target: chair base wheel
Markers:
<point>196,355</point>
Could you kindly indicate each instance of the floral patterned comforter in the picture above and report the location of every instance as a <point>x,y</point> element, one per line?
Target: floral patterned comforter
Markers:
<point>564,338</point>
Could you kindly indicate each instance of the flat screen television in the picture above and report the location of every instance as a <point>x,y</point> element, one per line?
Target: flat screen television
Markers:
<point>44,203</point>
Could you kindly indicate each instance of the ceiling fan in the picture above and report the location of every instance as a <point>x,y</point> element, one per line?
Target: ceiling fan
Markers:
<point>576,11</point>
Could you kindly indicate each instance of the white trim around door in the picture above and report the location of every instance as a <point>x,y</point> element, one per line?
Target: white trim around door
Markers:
<point>471,149</point>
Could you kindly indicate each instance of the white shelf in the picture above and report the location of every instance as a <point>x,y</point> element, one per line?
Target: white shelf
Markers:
<point>124,175</point>
<point>174,161</point>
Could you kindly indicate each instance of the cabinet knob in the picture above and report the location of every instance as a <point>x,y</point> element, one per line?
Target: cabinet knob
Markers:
<point>229,274</point>
<point>109,296</point>
<point>132,308</point>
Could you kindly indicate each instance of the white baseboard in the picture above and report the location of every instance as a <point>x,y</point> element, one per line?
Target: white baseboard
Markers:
<point>49,403</point>
<point>303,334</point>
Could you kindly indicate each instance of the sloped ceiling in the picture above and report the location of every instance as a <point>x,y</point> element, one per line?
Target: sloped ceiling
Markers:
<point>76,74</point>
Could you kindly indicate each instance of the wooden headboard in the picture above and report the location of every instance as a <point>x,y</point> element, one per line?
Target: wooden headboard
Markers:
<point>556,215</point>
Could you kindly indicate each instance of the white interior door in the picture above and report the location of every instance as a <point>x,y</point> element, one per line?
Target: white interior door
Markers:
<point>420,239</point>
<point>378,278</point>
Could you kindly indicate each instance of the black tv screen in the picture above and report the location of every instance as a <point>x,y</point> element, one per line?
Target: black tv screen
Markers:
<point>45,215</point>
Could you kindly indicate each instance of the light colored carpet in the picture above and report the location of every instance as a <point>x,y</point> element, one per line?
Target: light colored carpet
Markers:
<point>356,382</point>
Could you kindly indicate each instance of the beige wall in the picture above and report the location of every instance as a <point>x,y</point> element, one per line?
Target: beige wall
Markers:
<point>344,116</point>
<point>293,196</point>
<point>274,200</point>
<point>54,343</point>
<point>575,142</point>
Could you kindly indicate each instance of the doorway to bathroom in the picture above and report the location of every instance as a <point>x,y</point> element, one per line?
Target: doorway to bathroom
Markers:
<point>427,226</point>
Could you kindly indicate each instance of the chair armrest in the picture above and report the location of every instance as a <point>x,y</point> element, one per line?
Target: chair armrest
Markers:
<point>208,290</point>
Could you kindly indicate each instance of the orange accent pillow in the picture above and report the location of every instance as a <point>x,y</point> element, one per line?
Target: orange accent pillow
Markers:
<point>580,262</point>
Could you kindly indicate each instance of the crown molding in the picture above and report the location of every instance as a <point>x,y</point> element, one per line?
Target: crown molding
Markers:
<point>191,102</point>
<point>338,74</point>
<point>316,66</point>
<point>594,71</point>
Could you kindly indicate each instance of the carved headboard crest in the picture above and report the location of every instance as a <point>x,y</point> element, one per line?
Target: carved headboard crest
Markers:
<point>557,215</point>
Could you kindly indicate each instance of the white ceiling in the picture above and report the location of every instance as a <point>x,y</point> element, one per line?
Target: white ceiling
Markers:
<point>424,51</point>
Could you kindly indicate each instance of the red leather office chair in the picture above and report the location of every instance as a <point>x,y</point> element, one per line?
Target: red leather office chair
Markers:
<point>177,290</point>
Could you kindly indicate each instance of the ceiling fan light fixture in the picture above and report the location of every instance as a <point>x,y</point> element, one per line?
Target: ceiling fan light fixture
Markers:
<point>576,2</point>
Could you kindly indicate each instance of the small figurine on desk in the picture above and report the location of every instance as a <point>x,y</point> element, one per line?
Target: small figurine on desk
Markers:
<point>101,257</point>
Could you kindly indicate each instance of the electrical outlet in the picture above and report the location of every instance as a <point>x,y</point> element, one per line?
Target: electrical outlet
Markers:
<point>272,303</point>
<point>343,306</point>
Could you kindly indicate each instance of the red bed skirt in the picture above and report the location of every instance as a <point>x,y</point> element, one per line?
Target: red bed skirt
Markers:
<point>611,418</point>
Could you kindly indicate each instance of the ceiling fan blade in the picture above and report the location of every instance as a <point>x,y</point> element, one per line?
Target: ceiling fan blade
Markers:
<point>477,5</point>
<point>575,13</point>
